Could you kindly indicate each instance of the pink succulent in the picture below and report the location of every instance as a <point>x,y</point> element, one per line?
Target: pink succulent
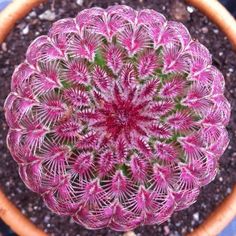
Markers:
<point>117,118</point>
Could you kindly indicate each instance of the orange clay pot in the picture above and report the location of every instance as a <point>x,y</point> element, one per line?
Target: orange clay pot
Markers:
<point>219,218</point>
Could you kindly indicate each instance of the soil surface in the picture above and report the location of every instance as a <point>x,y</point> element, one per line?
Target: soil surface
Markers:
<point>12,52</point>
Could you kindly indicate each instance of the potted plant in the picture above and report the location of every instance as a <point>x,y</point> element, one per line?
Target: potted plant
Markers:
<point>232,40</point>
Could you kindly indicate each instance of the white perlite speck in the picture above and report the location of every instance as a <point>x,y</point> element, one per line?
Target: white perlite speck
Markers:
<point>25,30</point>
<point>196,216</point>
<point>80,2</point>
<point>47,15</point>
<point>190,9</point>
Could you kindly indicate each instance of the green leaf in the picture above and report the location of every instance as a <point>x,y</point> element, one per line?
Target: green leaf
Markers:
<point>99,60</point>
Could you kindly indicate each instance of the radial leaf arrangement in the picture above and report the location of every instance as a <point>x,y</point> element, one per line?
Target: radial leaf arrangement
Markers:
<point>117,117</point>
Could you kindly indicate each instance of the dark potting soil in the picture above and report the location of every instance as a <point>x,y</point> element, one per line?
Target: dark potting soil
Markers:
<point>12,52</point>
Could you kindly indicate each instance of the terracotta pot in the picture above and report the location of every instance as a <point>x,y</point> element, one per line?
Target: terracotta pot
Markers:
<point>224,213</point>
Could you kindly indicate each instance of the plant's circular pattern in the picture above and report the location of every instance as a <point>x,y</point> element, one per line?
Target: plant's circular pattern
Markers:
<point>117,117</point>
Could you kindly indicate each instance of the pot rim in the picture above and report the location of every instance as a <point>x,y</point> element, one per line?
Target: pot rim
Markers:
<point>219,15</point>
<point>219,218</point>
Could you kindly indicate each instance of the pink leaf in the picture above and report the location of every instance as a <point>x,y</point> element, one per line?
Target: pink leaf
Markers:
<point>173,88</point>
<point>220,144</point>
<point>22,79</point>
<point>125,12</point>
<point>34,171</point>
<point>90,140</point>
<point>86,17</point>
<point>63,26</point>
<point>147,63</point>
<point>161,108</point>
<point>133,39</point>
<point>16,108</point>
<point>47,79</point>
<point>42,49</point>
<point>51,109</point>
<point>143,147</point>
<point>181,33</point>
<point>107,25</point>
<point>100,78</point>
<point>181,121</point>
<point>160,131</point>
<point>75,97</point>
<point>200,57</point>
<point>198,98</point>
<point>55,159</point>
<point>164,177</point>
<point>82,165</point>
<point>106,163</point>
<point>166,152</point>
<point>76,72</point>
<point>85,46</point>
<point>174,60</point>
<point>149,89</point>
<point>128,76</point>
<point>138,168</point>
<point>193,148</point>
<point>143,200</point>
<point>187,180</point>
<point>150,17</point>
<point>119,186</point>
<point>33,135</point>
<point>121,151</point>
<point>211,134</point>
<point>93,194</point>
<point>217,115</point>
<point>114,57</point>
<point>67,131</point>
<point>87,115</point>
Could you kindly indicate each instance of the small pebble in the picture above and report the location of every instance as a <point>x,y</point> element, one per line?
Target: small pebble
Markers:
<point>178,224</point>
<point>48,15</point>
<point>21,26</point>
<point>179,11</point>
<point>80,2</point>
<point>4,46</point>
<point>190,9</point>
<point>166,230</point>
<point>229,190</point>
<point>183,231</point>
<point>25,30</point>
<point>33,219</point>
<point>30,208</point>
<point>196,216</point>
<point>32,14</point>
<point>130,233</point>
<point>205,30</point>
<point>46,219</point>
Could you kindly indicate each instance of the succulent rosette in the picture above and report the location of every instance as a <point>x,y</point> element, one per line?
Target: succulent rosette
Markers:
<point>117,117</point>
